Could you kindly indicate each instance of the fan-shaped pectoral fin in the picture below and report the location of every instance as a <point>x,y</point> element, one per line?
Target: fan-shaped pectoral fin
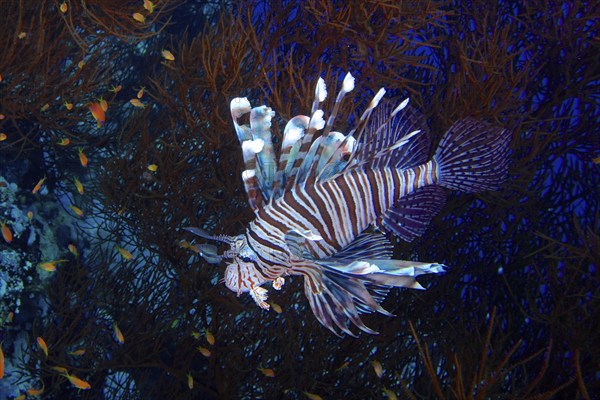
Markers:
<point>259,295</point>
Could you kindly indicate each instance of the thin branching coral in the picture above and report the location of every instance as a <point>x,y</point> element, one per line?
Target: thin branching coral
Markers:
<point>513,316</point>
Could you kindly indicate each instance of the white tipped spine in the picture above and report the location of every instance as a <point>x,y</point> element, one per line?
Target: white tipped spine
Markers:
<point>348,84</point>
<point>239,106</point>
<point>321,90</point>
<point>316,121</point>
<point>253,146</point>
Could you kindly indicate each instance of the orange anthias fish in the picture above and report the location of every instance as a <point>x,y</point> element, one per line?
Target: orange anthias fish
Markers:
<point>116,89</point>
<point>77,382</point>
<point>78,211</point>
<point>79,352</point>
<point>124,253</point>
<point>6,233</point>
<point>167,55</point>
<point>64,142</point>
<point>149,6</point>
<point>73,250</point>
<point>78,185</point>
<point>137,103</point>
<point>50,266</point>
<point>139,17</point>
<point>204,351</point>
<point>42,344</point>
<point>38,185</point>
<point>377,368</point>
<point>210,338</point>
<point>267,372</point>
<point>3,136</point>
<point>36,392</point>
<point>98,113</point>
<point>82,157</point>
<point>118,334</point>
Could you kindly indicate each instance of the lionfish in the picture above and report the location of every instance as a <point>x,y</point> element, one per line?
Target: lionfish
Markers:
<point>322,209</point>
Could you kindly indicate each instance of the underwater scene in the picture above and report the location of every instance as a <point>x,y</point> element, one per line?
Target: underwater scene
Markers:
<point>299,200</point>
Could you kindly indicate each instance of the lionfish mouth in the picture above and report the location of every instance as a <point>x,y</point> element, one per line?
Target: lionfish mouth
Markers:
<point>209,251</point>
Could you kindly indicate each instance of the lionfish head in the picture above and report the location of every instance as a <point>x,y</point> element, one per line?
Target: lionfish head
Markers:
<point>241,273</point>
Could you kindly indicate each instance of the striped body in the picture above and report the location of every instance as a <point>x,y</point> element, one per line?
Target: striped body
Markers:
<point>321,204</point>
<point>338,209</point>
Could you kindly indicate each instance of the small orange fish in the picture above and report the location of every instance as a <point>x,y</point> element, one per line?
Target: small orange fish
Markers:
<point>140,92</point>
<point>167,55</point>
<point>149,6</point>
<point>190,381</point>
<point>63,7</point>
<point>596,160</point>
<point>276,307</point>
<point>121,211</point>
<point>390,394</point>
<point>6,233</point>
<point>124,253</point>
<point>78,383</point>
<point>22,35</point>
<point>36,392</point>
<point>139,17</point>
<point>267,372</point>
<point>78,211</point>
<point>204,351</point>
<point>45,107</point>
<point>30,215</point>
<point>78,185</point>
<point>210,338</point>
<point>3,137</point>
<point>116,89</point>
<point>73,249</point>
<point>79,352</point>
<point>38,185</point>
<point>50,266</point>
<point>97,113</point>
<point>22,396</point>
<point>80,64</point>
<point>82,157</point>
<point>1,362</point>
<point>153,167</point>
<point>377,368</point>
<point>118,334</point>
<point>59,369</point>
<point>69,106</point>
<point>2,116</point>
<point>344,365</point>
<point>195,335</point>
<point>42,344</point>
<point>64,142</point>
<point>137,103</point>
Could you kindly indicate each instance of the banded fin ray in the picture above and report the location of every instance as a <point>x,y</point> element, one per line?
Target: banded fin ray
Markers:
<point>409,217</point>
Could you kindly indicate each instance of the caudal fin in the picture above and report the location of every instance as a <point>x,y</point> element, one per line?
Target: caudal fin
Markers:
<point>473,156</point>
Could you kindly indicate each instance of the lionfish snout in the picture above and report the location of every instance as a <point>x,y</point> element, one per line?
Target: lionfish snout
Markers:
<point>209,251</point>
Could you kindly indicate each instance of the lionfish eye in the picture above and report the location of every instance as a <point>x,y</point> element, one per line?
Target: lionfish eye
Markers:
<point>246,258</point>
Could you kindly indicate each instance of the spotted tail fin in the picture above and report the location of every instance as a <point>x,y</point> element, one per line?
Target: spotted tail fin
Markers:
<point>473,156</point>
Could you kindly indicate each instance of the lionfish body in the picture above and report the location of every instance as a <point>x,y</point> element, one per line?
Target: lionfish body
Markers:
<point>320,208</point>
